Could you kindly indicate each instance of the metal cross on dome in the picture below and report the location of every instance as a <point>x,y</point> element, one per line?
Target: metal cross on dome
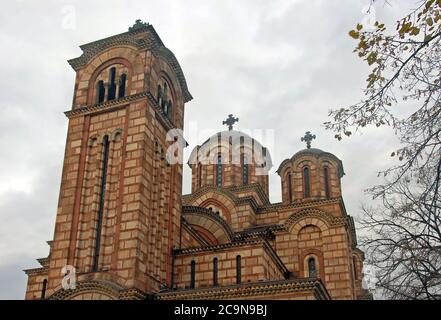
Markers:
<point>308,137</point>
<point>230,121</point>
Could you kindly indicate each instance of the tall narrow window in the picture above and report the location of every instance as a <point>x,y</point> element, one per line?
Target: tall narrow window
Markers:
<point>215,281</point>
<point>43,290</point>
<point>245,169</point>
<point>122,85</point>
<point>106,144</point>
<point>312,268</point>
<point>354,263</point>
<point>159,96</point>
<point>326,174</point>
<point>169,109</point>
<point>112,85</point>
<point>100,91</point>
<point>238,269</point>
<point>306,182</point>
<point>288,177</point>
<point>219,171</point>
<point>192,274</point>
<point>165,94</point>
<point>199,174</point>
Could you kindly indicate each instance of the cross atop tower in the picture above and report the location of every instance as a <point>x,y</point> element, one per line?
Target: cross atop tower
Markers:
<point>230,121</point>
<point>308,137</point>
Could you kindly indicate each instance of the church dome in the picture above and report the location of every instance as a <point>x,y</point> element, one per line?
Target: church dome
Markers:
<point>315,152</point>
<point>230,158</point>
<point>310,173</point>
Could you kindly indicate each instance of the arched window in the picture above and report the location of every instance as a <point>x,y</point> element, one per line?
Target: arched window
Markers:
<point>238,269</point>
<point>245,169</point>
<point>102,193</point>
<point>312,268</point>
<point>215,281</point>
<point>122,85</point>
<point>219,171</point>
<point>306,182</point>
<point>288,178</point>
<point>43,290</point>
<point>100,91</point>
<point>192,274</point>
<point>326,175</point>
<point>112,85</point>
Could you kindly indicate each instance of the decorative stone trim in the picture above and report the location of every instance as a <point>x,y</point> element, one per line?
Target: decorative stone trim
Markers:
<point>297,204</point>
<point>260,231</point>
<point>185,251</point>
<point>190,198</point>
<point>36,271</point>
<point>131,294</point>
<point>105,287</point>
<point>44,262</point>
<point>315,213</point>
<point>264,288</point>
<point>203,212</point>
<point>366,296</point>
<point>121,103</point>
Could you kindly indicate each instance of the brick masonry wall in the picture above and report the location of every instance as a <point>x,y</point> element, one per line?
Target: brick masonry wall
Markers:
<point>257,265</point>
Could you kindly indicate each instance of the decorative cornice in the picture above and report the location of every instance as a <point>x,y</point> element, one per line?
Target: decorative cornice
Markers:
<point>121,103</point>
<point>36,271</point>
<point>107,105</point>
<point>44,262</point>
<point>189,198</point>
<point>264,288</point>
<point>366,296</point>
<point>108,288</point>
<point>217,247</point>
<point>315,213</point>
<point>149,41</point>
<point>297,204</point>
<point>131,294</point>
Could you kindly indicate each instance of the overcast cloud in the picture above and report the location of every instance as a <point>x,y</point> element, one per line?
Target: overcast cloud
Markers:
<point>275,64</point>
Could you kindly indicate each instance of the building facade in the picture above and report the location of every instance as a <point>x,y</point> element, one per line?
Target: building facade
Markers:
<point>125,231</point>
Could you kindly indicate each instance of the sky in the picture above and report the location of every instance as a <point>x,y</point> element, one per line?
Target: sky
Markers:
<point>278,65</point>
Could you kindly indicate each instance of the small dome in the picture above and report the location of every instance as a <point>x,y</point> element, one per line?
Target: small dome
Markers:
<point>230,158</point>
<point>316,153</point>
<point>237,139</point>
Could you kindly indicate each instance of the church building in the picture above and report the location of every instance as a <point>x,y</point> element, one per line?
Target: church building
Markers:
<point>124,230</point>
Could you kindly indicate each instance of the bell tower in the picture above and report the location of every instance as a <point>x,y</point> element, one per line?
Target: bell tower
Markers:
<point>120,205</point>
